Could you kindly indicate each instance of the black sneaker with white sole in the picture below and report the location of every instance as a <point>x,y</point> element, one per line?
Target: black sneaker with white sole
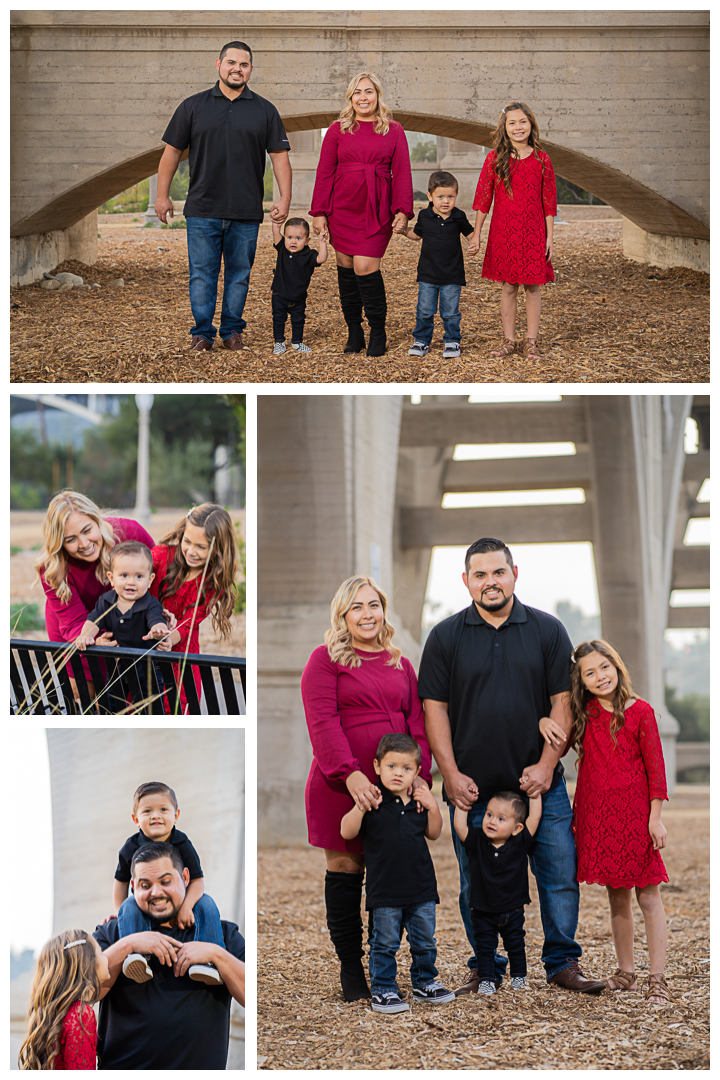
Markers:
<point>418,348</point>
<point>434,992</point>
<point>388,1002</point>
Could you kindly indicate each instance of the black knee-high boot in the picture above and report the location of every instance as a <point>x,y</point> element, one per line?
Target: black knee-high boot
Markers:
<point>351,304</point>
<point>343,895</point>
<point>372,290</point>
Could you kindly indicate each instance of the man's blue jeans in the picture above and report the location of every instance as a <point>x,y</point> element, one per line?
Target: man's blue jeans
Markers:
<point>210,241</point>
<point>131,920</point>
<point>448,297</point>
<point>554,864</point>
<point>388,923</point>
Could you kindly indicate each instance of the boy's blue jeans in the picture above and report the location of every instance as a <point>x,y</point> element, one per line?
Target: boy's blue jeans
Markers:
<point>388,923</point>
<point>210,241</point>
<point>429,296</point>
<point>554,864</point>
<point>131,920</point>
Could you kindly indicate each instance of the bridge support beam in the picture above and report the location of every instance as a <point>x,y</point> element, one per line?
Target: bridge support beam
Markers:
<point>658,249</point>
<point>31,256</point>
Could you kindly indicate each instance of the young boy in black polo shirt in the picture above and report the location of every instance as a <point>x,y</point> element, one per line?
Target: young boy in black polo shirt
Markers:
<point>498,863</point>
<point>401,890</point>
<point>441,271</point>
<point>296,262</point>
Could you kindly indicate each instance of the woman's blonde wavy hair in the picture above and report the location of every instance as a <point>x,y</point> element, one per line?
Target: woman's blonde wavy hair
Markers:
<point>580,695</point>
<point>383,116</point>
<point>53,559</point>
<point>338,638</point>
<point>504,149</point>
<point>62,978</point>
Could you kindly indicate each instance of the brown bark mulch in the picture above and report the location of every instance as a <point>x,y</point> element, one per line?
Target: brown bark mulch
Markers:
<point>606,319</point>
<point>303,1022</point>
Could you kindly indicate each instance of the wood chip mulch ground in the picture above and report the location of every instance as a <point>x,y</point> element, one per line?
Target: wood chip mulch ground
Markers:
<point>606,319</point>
<point>303,1022</point>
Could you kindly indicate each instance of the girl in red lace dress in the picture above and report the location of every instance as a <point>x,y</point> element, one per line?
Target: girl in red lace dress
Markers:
<point>519,176</point>
<point>195,568</point>
<point>618,798</point>
<point>62,1032</point>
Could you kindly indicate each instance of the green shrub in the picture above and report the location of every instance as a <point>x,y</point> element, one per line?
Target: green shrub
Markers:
<point>175,225</point>
<point>25,617</point>
<point>15,550</point>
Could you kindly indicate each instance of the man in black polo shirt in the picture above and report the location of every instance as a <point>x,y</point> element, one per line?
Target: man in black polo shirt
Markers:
<point>487,676</point>
<point>228,130</point>
<point>170,1021</point>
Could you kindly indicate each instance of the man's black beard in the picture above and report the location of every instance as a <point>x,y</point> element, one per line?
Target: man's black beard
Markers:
<point>160,920</point>
<point>234,86</point>
<point>495,605</point>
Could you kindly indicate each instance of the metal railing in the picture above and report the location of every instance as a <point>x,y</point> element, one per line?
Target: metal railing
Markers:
<point>123,680</point>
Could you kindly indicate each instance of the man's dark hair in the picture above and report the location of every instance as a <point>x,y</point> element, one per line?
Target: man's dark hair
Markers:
<point>483,547</point>
<point>153,787</point>
<point>297,221</point>
<point>236,45</point>
<point>516,804</point>
<point>439,178</point>
<point>154,851</point>
<point>398,743</point>
<point>131,547</point>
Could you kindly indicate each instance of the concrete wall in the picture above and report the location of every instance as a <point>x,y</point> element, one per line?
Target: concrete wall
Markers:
<point>31,256</point>
<point>659,250</point>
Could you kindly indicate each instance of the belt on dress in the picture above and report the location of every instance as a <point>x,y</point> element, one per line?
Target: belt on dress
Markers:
<point>373,173</point>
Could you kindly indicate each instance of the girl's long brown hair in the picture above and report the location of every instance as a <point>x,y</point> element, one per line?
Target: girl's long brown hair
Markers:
<point>504,149</point>
<point>222,566</point>
<point>580,695</point>
<point>62,978</point>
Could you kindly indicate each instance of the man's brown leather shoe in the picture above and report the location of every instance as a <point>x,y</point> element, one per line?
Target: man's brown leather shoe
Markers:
<point>234,342</point>
<point>199,344</point>
<point>572,978</point>
<point>473,982</point>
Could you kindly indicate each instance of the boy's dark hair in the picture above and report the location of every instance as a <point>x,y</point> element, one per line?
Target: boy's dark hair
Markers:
<point>297,221</point>
<point>236,45</point>
<point>440,178</point>
<point>516,802</point>
<point>153,787</point>
<point>130,547</point>
<point>483,547</point>
<point>154,851</point>
<point>398,743</point>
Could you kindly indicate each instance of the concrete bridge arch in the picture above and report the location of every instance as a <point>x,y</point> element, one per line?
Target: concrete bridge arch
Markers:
<point>613,90</point>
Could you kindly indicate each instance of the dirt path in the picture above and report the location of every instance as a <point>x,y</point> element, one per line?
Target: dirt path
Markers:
<point>606,319</point>
<point>303,1022</point>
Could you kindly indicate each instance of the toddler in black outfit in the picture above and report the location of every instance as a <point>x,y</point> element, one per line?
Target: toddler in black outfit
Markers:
<point>401,890</point>
<point>296,262</point>
<point>498,864</point>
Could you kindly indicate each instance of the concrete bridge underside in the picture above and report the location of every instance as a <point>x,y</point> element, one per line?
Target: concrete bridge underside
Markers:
<point>621,96</point>
<point>354,484</point>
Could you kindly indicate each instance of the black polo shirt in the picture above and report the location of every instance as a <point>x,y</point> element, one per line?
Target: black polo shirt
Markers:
<point>169,1022</point>
<point>293,271</point>
<point>178,839</point>
<point>129,627</point>
<point>498,683</point>
<point>400,869</point>
<point>498,875</point>
<point>228,140</point>
<point>441,255</point>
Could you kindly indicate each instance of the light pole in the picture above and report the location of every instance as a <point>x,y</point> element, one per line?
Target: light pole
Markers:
<point>144,403</point>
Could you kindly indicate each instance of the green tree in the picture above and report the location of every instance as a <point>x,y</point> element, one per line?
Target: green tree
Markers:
<point>692,713</point>
<point>424,151</point>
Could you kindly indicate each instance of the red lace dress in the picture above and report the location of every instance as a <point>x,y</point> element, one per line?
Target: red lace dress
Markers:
<point>516,243</point>
<point>612,799</point>
<point>78,1039</point>
<point>182,604</point>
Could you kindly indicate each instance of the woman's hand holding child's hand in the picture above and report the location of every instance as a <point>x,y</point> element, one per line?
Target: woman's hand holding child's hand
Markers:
<point>473,246</point>
<point>553,734</point>
<point>83,640</point>
<point>365,795</point>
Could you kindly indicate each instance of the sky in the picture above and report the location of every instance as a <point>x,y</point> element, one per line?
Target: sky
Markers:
<point>28,799</point>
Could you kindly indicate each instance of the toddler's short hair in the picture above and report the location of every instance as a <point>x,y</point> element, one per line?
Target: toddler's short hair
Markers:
<point>130,547</point>
<point>154,787</point>
<point>297,221</point>
<point>519,809</point>
<point>398,743</point>
<point>440,178</point>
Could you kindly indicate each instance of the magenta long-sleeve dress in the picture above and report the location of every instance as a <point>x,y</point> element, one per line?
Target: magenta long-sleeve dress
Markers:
<point>348,710</point>
<point>363,180</point>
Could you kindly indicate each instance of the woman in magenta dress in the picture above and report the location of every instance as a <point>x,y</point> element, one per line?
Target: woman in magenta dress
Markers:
<point>196,564</point>
<point>363,193</point>
<point>519,176</point>
<point>73,564</point>
<point>62,1032</point>
<point>355,688</point>
<point>618,800</point>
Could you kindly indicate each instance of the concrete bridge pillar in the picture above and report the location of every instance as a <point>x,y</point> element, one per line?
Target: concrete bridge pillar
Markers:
<point>304,157</point>
<point>464,160</point>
